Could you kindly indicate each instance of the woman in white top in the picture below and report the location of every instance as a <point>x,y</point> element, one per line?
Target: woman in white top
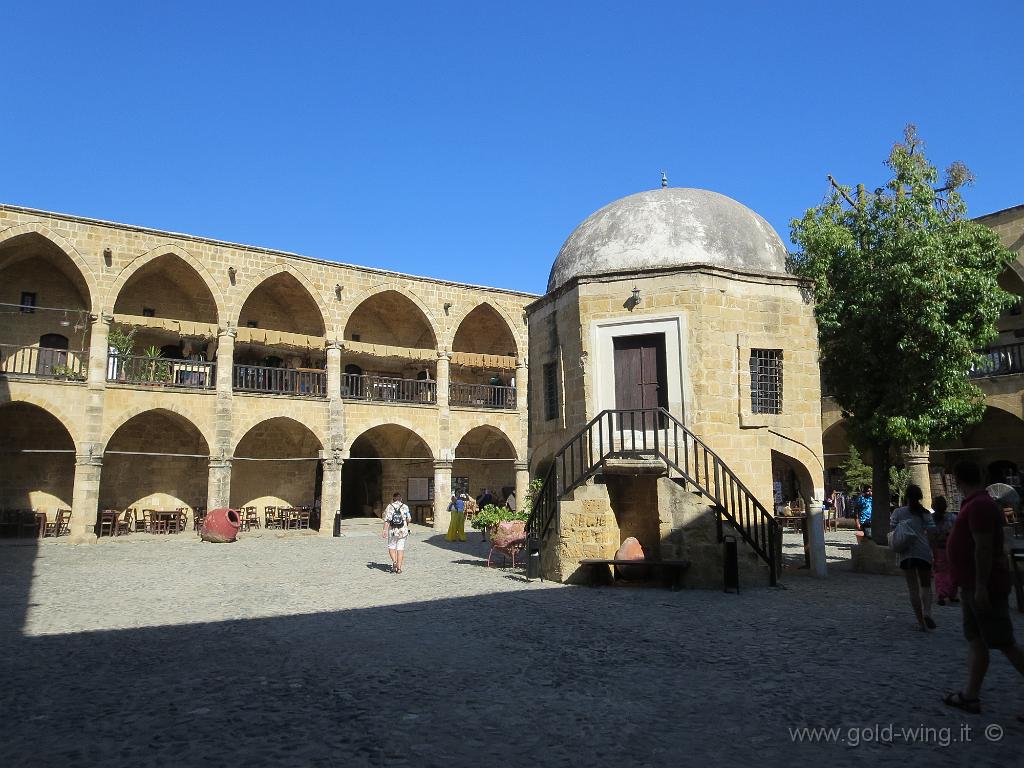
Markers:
<point>916,555</point>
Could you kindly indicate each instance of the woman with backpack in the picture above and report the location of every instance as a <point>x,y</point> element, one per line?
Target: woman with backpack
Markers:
<point>909,538</point>
<point>396,531</point>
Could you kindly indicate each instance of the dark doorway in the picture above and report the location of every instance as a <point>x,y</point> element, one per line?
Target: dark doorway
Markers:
<point>52,353</point>
<point>640,374</point>
<point>361,482</point>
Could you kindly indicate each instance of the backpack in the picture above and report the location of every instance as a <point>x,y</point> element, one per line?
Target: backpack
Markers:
<point>397,519</point>
<point>902,536</point>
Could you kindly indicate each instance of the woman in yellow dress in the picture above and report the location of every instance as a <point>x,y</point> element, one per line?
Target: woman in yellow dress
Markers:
<point>457,527</point>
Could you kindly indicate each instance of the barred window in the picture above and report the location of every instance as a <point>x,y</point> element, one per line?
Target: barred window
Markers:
<point>766,380</point>
<point>550,391</point>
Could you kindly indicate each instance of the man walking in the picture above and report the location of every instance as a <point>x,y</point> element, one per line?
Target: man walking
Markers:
<point>978,566</point>
<point>396,531</point>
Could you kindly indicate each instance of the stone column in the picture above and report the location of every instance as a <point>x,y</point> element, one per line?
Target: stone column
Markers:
<point>226,359</point>
<point>443,362</point>
<point>98,334</point>
<point>330,491</point>
<point>85,500</point>
<point>522,483</point>
<point>916,457</point>
<point>522,380</point>
<point>816,538</point>
<point>218,489</point>
<point>333,370</point>
<point>442,495</point>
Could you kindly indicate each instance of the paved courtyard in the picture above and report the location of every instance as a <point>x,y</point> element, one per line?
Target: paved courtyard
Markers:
<point>303,651</point>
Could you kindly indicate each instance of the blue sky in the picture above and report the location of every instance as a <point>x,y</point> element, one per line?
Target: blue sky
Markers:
<point>466,140</point>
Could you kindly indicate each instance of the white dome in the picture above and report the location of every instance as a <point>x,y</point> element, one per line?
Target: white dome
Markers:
<point>669,227</point>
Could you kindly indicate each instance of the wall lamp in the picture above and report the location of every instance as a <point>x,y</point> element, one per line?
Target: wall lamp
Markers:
<point>634,299</point>
<point>447,306</point>
<point>231,275</point>
<point>337,290</point>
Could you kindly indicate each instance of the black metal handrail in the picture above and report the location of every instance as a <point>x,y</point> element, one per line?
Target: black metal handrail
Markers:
<point>656,434</point>
<point>355,386</point>
<point>161,371</point>
<point>999,360</point>
<point>481,396</point>
<point>280,381</point>
<point>70,364</point>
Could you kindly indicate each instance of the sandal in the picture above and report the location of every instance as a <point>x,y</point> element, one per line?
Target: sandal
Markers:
<point>929,622</point>
<point>957,701</point>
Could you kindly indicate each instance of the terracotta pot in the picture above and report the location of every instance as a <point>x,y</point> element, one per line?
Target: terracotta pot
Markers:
<point>221,526</point>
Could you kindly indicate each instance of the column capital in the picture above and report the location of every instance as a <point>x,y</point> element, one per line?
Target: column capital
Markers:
<point>522,466</point>
<point>335,345</point>
<point>101,317</point>
<point>442,466</point>
<point>444,354</point>
<point>220,462</point>
<point>521,363</point>
<point>88,460</point>
<point>916,453</point>
<point>227,330</point>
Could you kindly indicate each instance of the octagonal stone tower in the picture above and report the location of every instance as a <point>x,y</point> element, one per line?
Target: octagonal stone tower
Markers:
<point>676,299</point>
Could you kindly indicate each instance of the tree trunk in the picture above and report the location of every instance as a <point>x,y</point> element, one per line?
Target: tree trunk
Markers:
<point>880,488</point>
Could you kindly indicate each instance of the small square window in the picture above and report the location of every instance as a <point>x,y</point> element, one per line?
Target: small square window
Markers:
<point>766,380</point>
<point>148,312</point>
<point>28,302</point>
<point>252,323</point>
<point>355,337</point>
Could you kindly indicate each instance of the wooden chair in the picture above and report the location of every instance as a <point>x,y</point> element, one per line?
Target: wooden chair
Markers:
<point>146,522</point>
<point>61,524</point>
<point>181,522</point>
<point>270,517</point>
<point>302,518</point>
<point>108,522</point>
<point>154,522</point>
<point>198,518</point>
<point>252,518</point>
<point>125,524</point>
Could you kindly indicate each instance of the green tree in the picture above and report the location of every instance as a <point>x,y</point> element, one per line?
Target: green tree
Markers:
<point>906,294</point>
<point>856,472</point>
<point>899,481</point>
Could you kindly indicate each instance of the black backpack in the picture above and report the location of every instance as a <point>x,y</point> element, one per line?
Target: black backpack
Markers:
<point>397,519</point>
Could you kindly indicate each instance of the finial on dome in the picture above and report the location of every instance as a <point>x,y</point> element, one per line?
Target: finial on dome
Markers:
<point>664,180</point>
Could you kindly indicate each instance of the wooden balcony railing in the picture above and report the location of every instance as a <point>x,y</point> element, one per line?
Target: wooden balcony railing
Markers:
<point>1000,360</point>
<point>387,389</point>
<point>482,396</point>
<point>72,364</point>
<point>161,371</point>
<point>309,382</point>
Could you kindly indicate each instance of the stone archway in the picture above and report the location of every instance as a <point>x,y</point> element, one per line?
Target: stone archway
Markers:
<point>484,458</point>
<point>157,459</point>
<point>382,460</point>
<point>43,295</point>
<point>484,331</point>
<point>996,444</point>
<point>37,460</point>
<point>391,319</point>
<point>792,483</point>
<point>276,464</point>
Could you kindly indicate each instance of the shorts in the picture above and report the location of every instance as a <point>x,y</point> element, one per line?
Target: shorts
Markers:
<point>397,543</point>
<point>992,626</point>
<point>922,567</point>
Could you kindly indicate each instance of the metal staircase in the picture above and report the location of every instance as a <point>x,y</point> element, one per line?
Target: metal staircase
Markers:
<point>654,434</point>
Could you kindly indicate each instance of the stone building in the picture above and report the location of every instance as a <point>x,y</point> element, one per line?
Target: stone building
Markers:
<point>674,307</point>
<point>254,377</point>
<point>997,442</point>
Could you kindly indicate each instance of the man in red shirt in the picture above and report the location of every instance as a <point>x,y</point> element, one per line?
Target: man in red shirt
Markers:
<point>978,566</point>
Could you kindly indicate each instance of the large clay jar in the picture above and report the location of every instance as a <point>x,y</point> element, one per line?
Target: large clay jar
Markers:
<point>630,550</point>
<point>221,526</point>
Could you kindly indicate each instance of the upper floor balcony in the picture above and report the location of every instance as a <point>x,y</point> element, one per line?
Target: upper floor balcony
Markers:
<point>44,362</point>
<point>1000,360</point>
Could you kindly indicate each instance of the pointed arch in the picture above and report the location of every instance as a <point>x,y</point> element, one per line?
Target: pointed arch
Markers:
<point>485,442</point>
<point>52,409</point>
<point>86,279</point>
<point>397,434</point>
<point>499,313</point>
<point>37,458</point>
<point>276,463</point>
<point>142,261</point>
<point>376,310</point>
<point>260,281</point>
<point>176,414</point>
<point>301,438</point>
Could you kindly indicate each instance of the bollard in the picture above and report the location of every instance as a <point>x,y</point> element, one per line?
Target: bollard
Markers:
<point>337,524</point>
<point>731,564</point>
<point>533,560</point>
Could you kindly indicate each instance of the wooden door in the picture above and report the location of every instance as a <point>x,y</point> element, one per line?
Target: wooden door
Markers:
<point>640,374</point>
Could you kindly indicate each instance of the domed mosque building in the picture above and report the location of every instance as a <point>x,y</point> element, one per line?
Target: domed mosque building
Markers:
<point>674,395</point>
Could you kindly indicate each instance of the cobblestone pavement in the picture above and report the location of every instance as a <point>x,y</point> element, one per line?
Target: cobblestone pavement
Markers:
<point>303,651</point>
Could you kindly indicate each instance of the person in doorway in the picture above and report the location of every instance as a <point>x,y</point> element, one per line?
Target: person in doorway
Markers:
<point>510,501</point>
<point>396,531</point>
<point>916,558</point>
<point>457,526</point>
<point>979,568</point>
<point>864,509</point>
<point>937,537</point>
<point>484,499</point>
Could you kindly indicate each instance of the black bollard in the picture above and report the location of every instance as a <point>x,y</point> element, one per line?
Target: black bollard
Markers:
<point>337,523</point>
<point>731,564</point>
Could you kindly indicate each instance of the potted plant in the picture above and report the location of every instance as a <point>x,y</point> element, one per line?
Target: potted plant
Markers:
<point>120,345</point>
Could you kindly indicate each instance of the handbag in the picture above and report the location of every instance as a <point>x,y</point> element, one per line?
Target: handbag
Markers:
<point>902,536</point>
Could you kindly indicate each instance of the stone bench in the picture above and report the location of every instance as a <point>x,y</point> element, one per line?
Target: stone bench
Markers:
<point>671,572</point>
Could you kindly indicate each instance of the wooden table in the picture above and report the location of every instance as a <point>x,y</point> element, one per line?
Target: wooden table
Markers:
<point>165,522</point>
